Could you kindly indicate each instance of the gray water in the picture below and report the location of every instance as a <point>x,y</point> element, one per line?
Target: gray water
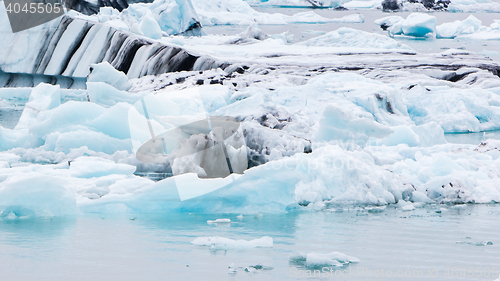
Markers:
<point>420,243</point>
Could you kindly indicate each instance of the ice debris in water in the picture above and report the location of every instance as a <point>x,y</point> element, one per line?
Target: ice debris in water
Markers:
<point>223,243</point>
<point>475,243</point>
<point>232,269</point>
<point>319,260</point>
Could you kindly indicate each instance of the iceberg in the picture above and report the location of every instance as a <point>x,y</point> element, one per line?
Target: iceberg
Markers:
<point>349,37</point>
<point>416,25</point>
<point>456,28</point>
<point>419,25</point>
<point>66,48</point>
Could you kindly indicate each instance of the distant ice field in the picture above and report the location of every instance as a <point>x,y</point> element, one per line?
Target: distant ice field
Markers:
<point>302,32</point>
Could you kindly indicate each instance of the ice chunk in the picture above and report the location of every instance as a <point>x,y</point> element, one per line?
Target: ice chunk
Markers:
<point>43,97</point>
<point>456,28</point>
<point>352,18</point>
<point>341,124</point>
<point>223,243</point>
<point>416,24</point>
<point>219,221</point>
<point>104,72</point>
<point>105,94</point>
<point>318,260</point>
<point>419,25</point>
<point>393,24</point>
<point>91,167</point>
<point>238,12</point>
<point>36,195</point>
<point>348,37</point>
<point>232,269</point>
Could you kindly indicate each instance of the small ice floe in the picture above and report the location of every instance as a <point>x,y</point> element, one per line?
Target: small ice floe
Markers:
<point>232,269</point>
<point>375,209</point>
<point>240,217</point>
<point>219,221</point>
<point>408,208</point>
<point>223,243</point>
<point>251,268</point>
<point>475,243</point>
<point>255,268</point>
<point>459,206</point>
<point>318,260</point>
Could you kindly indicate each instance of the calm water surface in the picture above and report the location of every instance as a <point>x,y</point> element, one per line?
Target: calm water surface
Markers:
<point>153,247</point>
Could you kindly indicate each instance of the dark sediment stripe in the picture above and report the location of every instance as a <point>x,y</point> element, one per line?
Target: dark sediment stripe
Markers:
<point>63,25</point>
<point>128,54</point>
<point>104,50</point>
<point>163,58</point>
<point>181,61</point>
<point>16,80</point>
<point>75,46</point>
<point>80,52</point>
<point>116,44</point>
<point>47,38</point>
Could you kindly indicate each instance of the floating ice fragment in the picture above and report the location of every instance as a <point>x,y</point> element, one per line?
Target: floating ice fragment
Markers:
<point>408,208</point>
<point>232,269</point>
<point>416,25</point>
<point>222,243</point>
<point>219,221</point>
<point>419,25</point>
<point>318,260</point>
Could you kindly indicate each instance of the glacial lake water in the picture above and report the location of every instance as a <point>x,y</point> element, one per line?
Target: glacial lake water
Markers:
<point>435,242</point>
